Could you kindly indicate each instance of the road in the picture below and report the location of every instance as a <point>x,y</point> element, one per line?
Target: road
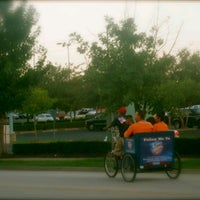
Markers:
<point>95,185</point>
<point>82,134</point>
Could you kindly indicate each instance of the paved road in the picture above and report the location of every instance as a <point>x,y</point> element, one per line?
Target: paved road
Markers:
<point>82,134</point>
<point>95,185</point>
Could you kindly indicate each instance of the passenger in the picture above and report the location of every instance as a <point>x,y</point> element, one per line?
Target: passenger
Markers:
<point>141,126</point>
<point>151,120</point>
<point>119,147</point>
<point>129,120</point>
<point>160,125</point>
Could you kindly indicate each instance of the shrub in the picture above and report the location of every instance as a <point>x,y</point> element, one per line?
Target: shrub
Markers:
<point>78,148</point>
<point>184,146</point>
<point>188,146</point>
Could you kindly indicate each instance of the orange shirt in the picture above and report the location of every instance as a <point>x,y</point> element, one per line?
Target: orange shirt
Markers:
<point>160,126</point>
<point>138,127</point>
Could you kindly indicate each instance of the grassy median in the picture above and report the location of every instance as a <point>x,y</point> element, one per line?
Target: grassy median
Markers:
<point>52,162</point>
<point>25,163</point>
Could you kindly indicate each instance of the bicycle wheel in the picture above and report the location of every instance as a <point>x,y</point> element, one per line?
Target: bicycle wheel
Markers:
<point>174,171</point>
<point>111,165</point>
<point>128,169</point>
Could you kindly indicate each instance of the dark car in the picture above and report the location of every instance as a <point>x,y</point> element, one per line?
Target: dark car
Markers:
<point>96,123</point>
<point>190,117</point>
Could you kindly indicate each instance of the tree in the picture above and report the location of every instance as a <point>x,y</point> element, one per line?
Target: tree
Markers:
<point>38,101</point>
<point>18,37</point>
<point>180,89</point>
<point>124,66</point>
<point>17,40</point>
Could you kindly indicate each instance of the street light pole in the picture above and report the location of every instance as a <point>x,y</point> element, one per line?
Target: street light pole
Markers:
<point>68,44</point>
<point>64,44</point>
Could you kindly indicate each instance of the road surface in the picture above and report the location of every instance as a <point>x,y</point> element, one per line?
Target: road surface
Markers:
<point>95,185</point>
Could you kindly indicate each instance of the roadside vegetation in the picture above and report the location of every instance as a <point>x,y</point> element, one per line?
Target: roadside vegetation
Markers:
<point>142,71</point>
<point>64,163</point>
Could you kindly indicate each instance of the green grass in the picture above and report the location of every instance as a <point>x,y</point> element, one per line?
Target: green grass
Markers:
<point>187,163</point>
<point>69,162</point>
<point>190,163</point>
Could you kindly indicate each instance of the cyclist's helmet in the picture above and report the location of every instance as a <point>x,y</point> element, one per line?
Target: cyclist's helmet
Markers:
<point>122,110</point>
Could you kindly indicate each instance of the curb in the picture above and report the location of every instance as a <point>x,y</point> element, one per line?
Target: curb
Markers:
<point>50,130</point>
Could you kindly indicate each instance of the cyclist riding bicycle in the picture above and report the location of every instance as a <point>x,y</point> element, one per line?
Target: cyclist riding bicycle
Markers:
<point>121,121</point>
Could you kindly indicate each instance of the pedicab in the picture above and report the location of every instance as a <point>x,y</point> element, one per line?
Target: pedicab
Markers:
<point>145,152</point>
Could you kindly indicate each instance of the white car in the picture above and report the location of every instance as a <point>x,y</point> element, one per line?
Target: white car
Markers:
<point>45,117</point>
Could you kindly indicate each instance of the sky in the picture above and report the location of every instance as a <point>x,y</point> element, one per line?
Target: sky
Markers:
<point>58,19</point>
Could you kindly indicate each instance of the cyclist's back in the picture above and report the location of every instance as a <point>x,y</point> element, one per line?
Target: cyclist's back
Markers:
<point>119,121</point>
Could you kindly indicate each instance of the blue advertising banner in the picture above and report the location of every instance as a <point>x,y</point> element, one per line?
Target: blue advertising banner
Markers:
<point>129,145</point>
<point>156,149</point>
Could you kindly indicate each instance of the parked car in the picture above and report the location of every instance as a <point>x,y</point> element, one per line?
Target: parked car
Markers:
<point>190,116</point>
<point>195,109</point>
<point>90,114</point>
<point>192,121</point>
<point>61,115</point>
<point>81,114</point>
<point>98,122</point>
<point>93,113</point>
<point>44,117</point>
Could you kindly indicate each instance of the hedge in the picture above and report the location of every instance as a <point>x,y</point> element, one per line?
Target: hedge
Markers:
<point>188,146</point>
<point>76,148</point>
<point>184,146</point>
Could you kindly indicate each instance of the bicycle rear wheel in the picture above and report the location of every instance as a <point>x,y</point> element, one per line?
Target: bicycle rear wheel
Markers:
<point>110,165</point>
<point>174,171</point>
<point>128,167</point>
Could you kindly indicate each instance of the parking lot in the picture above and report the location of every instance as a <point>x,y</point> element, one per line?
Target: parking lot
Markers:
<point>74,134</point>
<point>80,134</point>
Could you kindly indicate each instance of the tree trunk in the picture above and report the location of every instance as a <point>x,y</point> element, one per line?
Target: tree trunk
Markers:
<point>35,127</point>
<point>1,139</point>
<point>2,123</point>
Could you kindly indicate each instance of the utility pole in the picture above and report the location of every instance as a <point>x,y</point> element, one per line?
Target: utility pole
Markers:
<point>64,44</point>
<point>68,57</point>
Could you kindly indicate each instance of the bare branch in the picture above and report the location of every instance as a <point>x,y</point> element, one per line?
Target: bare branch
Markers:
<point>175,39</point>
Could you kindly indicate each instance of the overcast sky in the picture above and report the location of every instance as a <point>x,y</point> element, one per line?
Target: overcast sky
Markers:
<point>60,18</point>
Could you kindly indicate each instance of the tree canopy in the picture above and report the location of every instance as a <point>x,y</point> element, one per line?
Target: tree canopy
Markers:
<point>124,66</point>
<point>18,36</point>
<point>127,66</point>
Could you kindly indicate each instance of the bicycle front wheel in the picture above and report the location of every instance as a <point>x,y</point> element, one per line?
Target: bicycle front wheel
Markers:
<point>110,165</point>
<point>128,167</point>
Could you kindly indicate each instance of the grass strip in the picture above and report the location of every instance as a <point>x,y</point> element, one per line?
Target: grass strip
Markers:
<point>187,163</point>
<point>75,162</point>
<point>190,163</point>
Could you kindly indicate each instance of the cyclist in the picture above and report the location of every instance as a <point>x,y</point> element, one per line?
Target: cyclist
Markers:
<point>119,121</point>
<point>119,146</point>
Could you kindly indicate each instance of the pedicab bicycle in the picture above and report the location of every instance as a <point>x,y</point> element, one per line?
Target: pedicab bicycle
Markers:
<point>112,163</point>
<point>145,152</point>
